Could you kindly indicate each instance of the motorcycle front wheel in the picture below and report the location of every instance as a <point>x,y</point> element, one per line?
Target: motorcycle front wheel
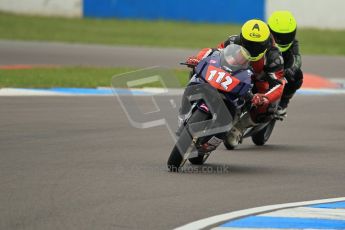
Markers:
<point>199,160</point>
<point>176,155</point>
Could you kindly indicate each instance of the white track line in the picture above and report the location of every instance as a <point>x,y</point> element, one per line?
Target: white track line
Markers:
<point>203,223</point>
<point>48,92</point>
<point>306,212</point>
<point>227,228</point>
<point>26,92</point>
<point>321,91</point>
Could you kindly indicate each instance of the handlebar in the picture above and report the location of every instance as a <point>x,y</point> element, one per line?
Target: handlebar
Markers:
<point>188,65</point>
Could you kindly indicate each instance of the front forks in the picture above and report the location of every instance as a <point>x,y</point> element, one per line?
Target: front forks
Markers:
<point>189,151</point>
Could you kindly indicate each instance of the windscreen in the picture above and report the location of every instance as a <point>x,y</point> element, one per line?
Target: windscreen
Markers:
<point>235,57</point>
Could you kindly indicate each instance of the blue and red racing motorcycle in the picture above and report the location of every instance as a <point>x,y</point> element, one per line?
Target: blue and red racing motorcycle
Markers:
<point>217,95</point>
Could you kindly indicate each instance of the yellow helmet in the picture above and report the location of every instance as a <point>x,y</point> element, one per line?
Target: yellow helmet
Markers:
<point>255,37</point>
<point>283,27</point>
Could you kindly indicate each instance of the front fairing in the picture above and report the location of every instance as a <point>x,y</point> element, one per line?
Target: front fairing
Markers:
<point>243,76</point>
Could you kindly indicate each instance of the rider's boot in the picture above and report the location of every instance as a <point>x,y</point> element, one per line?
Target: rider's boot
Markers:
<point>283,104</point>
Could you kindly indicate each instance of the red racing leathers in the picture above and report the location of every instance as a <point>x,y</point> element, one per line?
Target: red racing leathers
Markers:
<point>269,71</point>
<point>268,76</point>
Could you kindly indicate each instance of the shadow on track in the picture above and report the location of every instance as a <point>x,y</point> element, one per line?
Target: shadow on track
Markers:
<point>256,156</point>
<point>227,169</point>
<point>275,148</point>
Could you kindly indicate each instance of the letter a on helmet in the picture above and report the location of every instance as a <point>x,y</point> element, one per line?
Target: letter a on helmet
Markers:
<point>255,36</point>
<point>255,31</point>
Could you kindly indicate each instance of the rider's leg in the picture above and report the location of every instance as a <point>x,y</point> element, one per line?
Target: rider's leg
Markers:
<point>289,90</point>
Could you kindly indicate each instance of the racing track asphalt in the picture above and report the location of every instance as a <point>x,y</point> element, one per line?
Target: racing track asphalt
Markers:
<point>76,163</point>
<point>31,53</point>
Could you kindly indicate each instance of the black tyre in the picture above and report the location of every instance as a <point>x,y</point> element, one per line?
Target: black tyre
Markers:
<point>199,160</point>
<point>228,146</point>
<point>174,160</point>
<point>261,137</point>
<point>184,142</point>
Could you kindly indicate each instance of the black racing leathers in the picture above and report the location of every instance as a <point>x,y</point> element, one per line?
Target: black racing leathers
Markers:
<point>292,72</point>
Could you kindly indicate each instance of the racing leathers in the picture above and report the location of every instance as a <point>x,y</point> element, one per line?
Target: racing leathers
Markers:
<point>292,73</point>
<point>268,78</point>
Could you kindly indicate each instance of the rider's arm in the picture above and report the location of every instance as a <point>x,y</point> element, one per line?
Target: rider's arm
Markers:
<point>223,44</point>
<point>231,40</point>
<point>274,70</point>
<point>205,52</point>
<point>297,64</point>
<point>276,87</point>
<point>290,71</point>
<point>193,61</point>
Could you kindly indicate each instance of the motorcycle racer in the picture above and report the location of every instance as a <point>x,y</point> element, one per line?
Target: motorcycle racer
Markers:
<point>283,27</point>
<point>267,64</point>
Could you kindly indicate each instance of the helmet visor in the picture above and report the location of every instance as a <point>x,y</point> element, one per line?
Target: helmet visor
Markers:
<point>258,57</point>
<point>284,48</point>
<point>256,49</point>
<point>284,38</point>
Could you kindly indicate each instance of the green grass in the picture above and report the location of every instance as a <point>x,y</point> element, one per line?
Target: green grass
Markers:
<point>79,77</point>
<point>156,33</point>
<point>119,32</point>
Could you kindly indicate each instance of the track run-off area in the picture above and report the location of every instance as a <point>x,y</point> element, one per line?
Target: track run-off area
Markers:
<point>77,163</point>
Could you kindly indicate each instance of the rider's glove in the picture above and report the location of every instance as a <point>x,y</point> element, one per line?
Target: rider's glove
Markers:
<point>260,100</point>
<point>192,61</point>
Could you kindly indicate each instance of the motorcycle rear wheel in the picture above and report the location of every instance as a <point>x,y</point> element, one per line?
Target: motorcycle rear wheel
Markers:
<point>229,146</point>
<point>261,137</point>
